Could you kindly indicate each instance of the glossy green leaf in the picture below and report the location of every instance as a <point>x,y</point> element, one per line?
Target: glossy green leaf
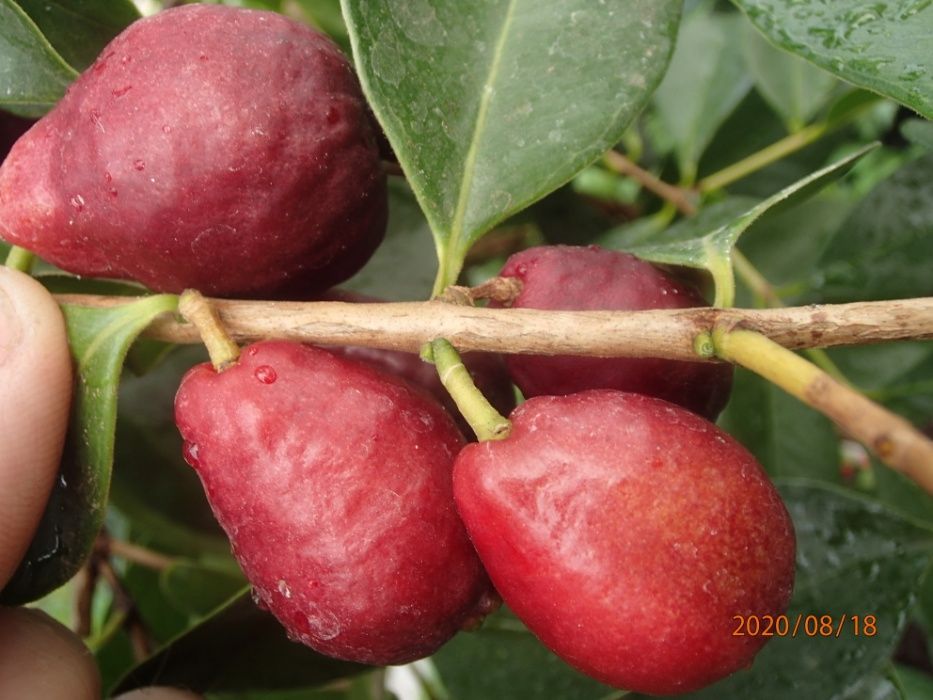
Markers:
<point>514,666</point>
<point>789,438</point>
<point>99,338</point>
<point>854,557</point>
<point>884,249</point>
<point>882,46</point>
<point>706,81</point>
<point>794,88</point>
<point>33,76</point>
<point>402,268</point>
<point>79,29</point>
<point>489,106</point>
<point>238,647</point>
<point>713,251</point>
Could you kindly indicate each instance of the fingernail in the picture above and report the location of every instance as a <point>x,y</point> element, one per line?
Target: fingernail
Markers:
<point>11,329</point>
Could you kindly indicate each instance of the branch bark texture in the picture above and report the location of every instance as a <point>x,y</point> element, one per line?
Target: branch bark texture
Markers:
<point>665,333</point>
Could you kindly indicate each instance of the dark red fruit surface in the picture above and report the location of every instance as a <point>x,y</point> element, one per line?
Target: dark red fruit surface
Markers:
<point>333,483</point>
<point>578,278</point>
<point>218,148</point>
<point>627,533</point>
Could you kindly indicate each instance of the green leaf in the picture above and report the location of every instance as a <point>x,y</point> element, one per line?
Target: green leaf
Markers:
<point>713,251</point>
<point>489,106</point>
<point>854,557</point>
<point>238,647</point>
<point>99,339</point>
<point>883,250</point>
<point>152,484</point>
<point>326,16</point>
<point>79,29</point>
<point>788,438</point>
<point>795,89</point>
<point>402,268</point>
<point>881,46</point>
<point>919,131</point>
<point>785,247</point>
<point>196,588</point>
<point>917,685</point>
<point>706,81</point>
<point>33,76</point>
<point>514,666</point>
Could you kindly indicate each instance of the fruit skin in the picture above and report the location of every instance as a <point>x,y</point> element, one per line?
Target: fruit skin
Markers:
<point>585,278</point>
<point>627,532</point>
<point>212,147</point>
<point>333,483</point>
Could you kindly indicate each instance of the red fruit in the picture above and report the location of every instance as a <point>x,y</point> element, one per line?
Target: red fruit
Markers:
<point>333,483</point>
<point>628,533</point>
<point>223,149</point>
<point>575,278</point>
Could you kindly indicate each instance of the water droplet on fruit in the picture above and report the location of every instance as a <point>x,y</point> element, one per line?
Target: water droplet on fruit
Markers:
<point>77,202</point>
<point>202,57</point>
<point>166,129</point>
<point>284,589</point>
<point>139,164</point>
<point>333,115</point>
<point>190,453</point>
<point>266,374</point>
<point>120,92</point>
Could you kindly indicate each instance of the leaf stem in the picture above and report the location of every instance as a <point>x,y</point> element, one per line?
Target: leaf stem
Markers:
<point>766,156</point>
<point>764,289</point>
<point>486,421</point>
<point>677,196</point>
<point>20,259</point>
<point>199,311</point>
<point>667,333</point>
<point>894,440</point>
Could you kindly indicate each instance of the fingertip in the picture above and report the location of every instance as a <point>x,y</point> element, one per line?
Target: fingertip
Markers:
<point>35,396</point>
<point>39,658</point>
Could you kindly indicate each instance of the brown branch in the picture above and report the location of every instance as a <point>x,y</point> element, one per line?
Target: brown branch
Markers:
<point>657,333</point>
<point>671,193</point>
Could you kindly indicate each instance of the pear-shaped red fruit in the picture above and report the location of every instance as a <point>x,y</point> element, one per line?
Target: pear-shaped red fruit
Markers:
<point>629,535</point>
<point>333,482</point>
<point>591,278</point>
<point>212,147</point>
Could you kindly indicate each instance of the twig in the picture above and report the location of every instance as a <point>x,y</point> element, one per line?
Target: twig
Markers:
<point>670,193</point>
<point>501,289</point>
<point>132,623</point>
<point>666,333</point>
<point>84,597</point>
<point>138,555</point>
